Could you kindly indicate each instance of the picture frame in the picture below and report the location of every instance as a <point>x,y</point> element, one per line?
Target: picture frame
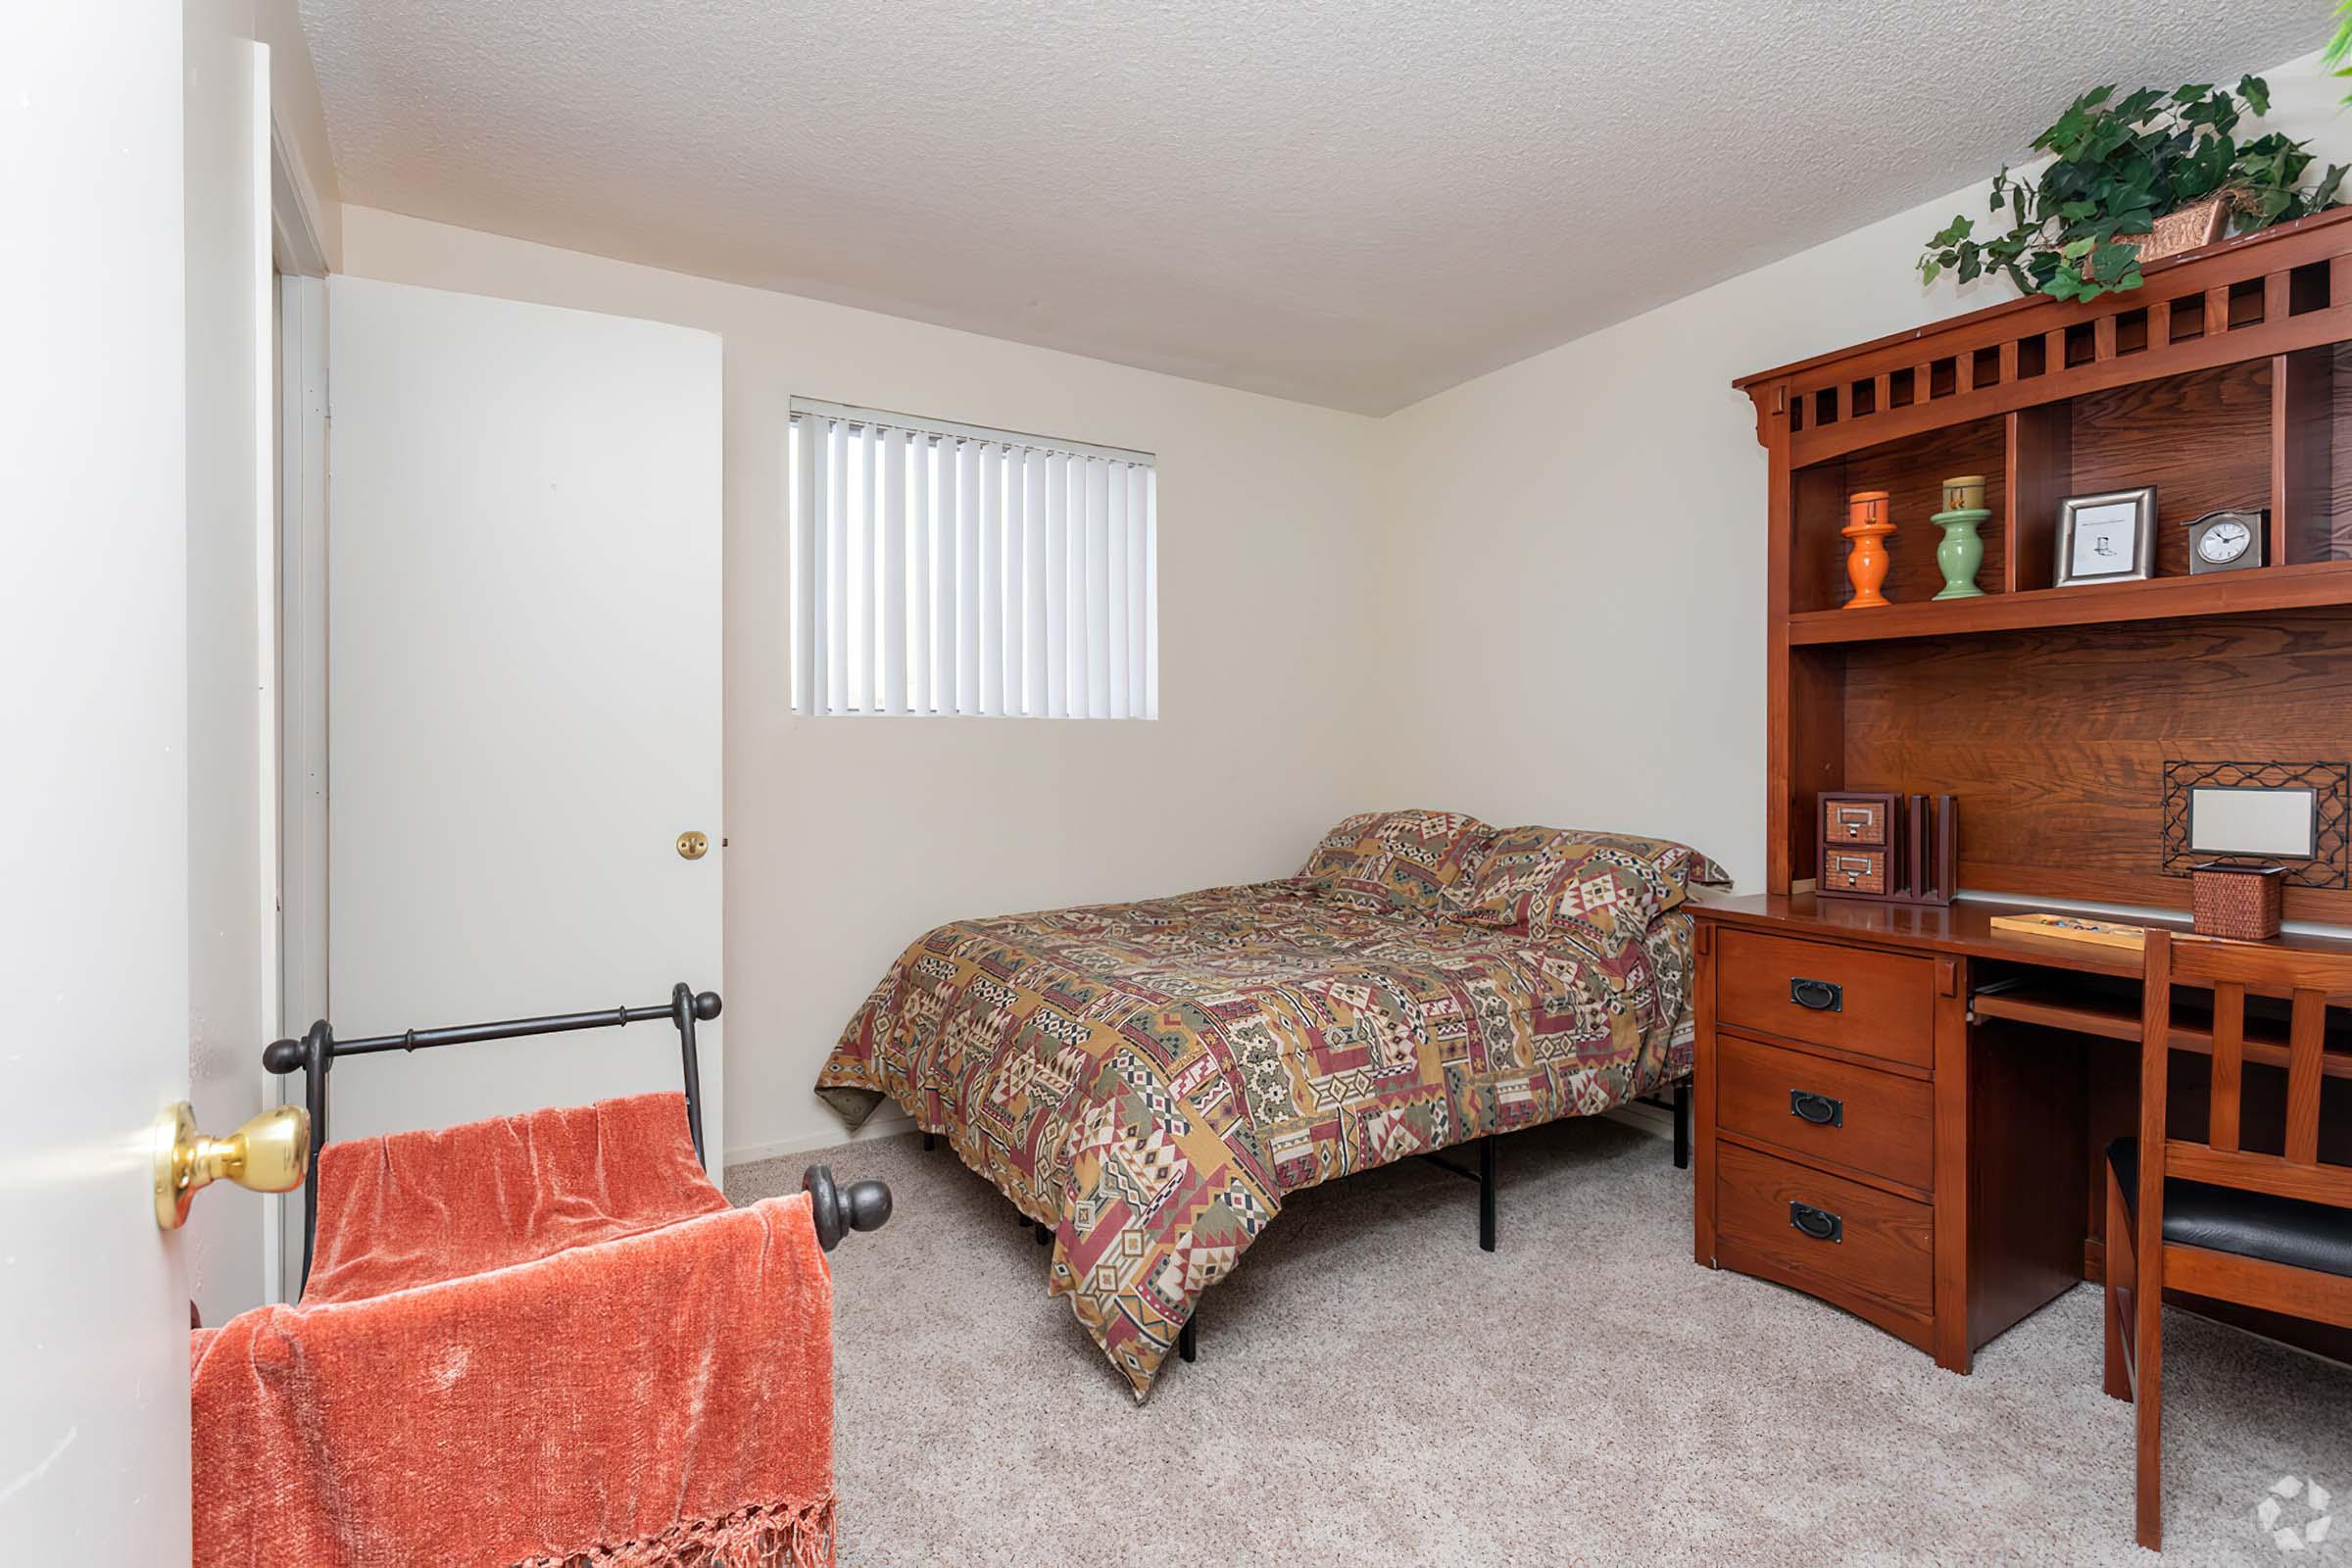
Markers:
<point>2107,537</point>
<point>2275,823</point>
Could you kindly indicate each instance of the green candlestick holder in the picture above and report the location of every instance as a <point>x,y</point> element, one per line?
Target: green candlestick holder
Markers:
<point>1961,553</point>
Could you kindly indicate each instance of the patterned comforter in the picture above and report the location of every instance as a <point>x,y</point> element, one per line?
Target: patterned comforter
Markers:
<point>1149,1079</point>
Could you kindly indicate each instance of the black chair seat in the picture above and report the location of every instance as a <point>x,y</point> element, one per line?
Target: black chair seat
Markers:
<point>2225,1220</point>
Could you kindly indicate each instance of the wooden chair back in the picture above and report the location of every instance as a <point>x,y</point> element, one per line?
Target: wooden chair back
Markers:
<point>2140,1264</point>
<point>2235,971</point>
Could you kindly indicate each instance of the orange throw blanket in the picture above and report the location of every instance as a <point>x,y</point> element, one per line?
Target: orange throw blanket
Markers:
<point>544,1339</point>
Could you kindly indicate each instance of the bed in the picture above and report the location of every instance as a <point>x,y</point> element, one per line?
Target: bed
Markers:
<point>1150,1080</point>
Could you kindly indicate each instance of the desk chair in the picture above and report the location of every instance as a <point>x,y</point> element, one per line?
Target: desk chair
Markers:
<point>2212,1219</point>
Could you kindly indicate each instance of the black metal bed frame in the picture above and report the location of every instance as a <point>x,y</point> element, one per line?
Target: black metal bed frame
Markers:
<point>837,1210</point>
<point>1188,1339</point>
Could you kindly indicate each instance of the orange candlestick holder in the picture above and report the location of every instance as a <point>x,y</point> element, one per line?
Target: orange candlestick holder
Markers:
<point>1868,526</point>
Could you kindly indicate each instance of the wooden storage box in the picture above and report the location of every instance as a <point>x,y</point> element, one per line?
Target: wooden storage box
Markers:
<point>1874,843</point>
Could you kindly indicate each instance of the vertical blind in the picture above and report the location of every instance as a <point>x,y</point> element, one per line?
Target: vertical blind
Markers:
<point>945,569</point>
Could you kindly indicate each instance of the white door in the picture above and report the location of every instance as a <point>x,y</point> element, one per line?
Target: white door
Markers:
<point>94,937</point>
<point>522,696</point>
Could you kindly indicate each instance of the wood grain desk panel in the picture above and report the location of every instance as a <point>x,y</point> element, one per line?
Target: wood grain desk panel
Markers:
<point>2023,1072</point>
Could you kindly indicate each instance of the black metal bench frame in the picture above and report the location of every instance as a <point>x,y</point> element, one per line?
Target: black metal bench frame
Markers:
<point>837,1210</point>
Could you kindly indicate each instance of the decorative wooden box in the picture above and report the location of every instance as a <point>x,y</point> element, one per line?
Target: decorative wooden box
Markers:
<point>1897,848</point>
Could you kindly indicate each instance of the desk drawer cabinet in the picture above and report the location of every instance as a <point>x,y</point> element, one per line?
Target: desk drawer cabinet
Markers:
<point>1819,1107</point>
<point>1862,1000</point>
<point>1854,1135</point>
<point>1822,1118</point>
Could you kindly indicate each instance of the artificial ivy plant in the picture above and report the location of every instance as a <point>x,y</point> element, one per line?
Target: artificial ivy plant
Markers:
<point>2120,163</point>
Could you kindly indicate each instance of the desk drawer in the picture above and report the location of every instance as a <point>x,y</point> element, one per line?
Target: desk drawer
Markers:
<point>1854,998</point>
<point>1858,1116</point>
<point>1784,1220</point>
<point>1845,870</point>
<point>1851,821</point>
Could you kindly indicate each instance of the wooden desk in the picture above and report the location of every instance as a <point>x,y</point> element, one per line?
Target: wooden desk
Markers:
<point>1901,1109</point>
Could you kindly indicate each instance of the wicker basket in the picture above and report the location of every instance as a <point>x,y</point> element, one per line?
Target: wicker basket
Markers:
<point>2242,903</point>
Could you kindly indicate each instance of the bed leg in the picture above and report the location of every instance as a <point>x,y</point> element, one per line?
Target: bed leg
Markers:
<point>1045,1235</point>
<point>1188,1338</point>
<point>1485,1193</point>
<point>929,1143</point>
<point>1682,1126</point>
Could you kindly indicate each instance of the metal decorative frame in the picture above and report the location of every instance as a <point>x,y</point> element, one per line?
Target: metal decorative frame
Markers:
<point>2330,785</point>
<point>2143,500</point>
<point>315,1054</point>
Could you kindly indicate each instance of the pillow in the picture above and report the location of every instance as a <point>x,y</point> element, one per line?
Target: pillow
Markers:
<point>1606,888</point>
<point>1397,859</point>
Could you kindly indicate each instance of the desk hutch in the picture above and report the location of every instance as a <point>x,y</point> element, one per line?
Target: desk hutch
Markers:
<point>1901,1109</point>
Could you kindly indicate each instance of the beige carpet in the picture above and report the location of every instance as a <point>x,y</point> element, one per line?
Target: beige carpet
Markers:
<point>1374,1390</point>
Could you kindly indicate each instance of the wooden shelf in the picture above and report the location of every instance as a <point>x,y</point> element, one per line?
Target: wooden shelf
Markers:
<point>2314,585</point>
<point>2052,715</point>
<point>2117,1017</point>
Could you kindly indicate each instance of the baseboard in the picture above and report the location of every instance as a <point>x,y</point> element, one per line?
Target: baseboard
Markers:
<point>878,1127</point>
<point>1655,1121</point>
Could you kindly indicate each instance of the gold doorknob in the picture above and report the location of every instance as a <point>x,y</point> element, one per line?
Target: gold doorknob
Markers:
<point>692,845</point>
<point>269,1153</point>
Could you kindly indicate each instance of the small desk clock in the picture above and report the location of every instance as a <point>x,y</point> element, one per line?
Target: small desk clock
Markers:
<point>2227,541</point>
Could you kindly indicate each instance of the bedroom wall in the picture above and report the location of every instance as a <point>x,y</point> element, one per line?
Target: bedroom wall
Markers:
<point>232,939</point>
<point>847,838</point>
<point>232,1005</point>
<point>1573,550</point>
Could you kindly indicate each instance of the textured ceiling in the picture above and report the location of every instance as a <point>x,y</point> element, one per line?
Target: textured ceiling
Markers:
<point>1354,204</point>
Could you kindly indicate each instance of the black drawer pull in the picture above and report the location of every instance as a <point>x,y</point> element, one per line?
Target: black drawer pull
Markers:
<point>1818,1223</point>
<point>1819,1109</point>
<point>1822,995</point>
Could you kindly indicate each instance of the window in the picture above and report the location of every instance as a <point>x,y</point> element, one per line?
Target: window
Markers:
<point>941,568</point>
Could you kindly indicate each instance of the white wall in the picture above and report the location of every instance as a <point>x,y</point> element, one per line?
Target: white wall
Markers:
<point>849,837</point>
<point>231,1013</point>
<point>1573,556</point>
<point>228,108</point>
